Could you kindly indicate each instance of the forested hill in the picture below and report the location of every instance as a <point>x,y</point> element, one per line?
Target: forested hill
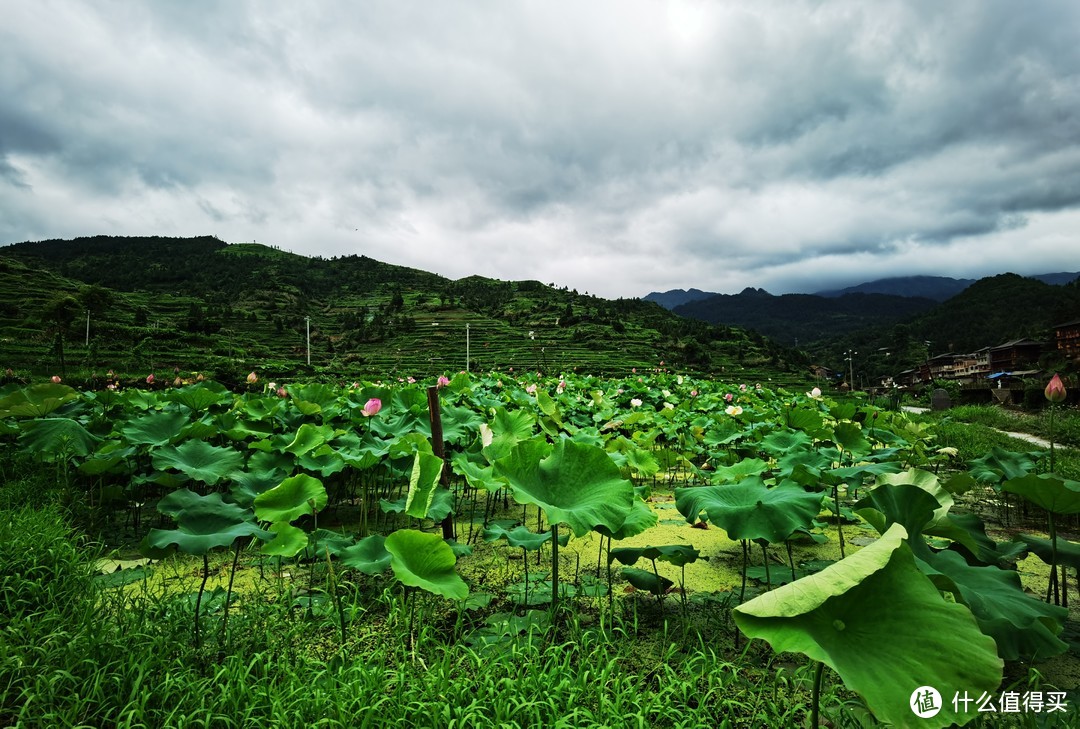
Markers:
<point>201,304</point>
<point>803,318</point>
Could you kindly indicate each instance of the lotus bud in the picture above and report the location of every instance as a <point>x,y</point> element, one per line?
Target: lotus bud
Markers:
<point>1055,390</point>
<point>199,377</point>
<point>371,407</point>
<point>443,381</point>
<point>282,392</point>
<point>252,378</point>
<point>150,379</point>
<point>9,373</point>
<point>177,382</point>
<point>56,379</point>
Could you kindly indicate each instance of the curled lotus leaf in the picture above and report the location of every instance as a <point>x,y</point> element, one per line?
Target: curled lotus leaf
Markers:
<point>881,624</point>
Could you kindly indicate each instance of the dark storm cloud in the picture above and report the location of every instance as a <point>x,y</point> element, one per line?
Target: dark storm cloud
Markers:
<point>616,147</point>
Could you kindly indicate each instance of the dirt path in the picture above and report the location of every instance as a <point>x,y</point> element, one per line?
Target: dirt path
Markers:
<point>1033,439</point>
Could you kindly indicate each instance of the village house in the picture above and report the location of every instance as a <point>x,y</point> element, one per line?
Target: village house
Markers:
<point>1067,340</point>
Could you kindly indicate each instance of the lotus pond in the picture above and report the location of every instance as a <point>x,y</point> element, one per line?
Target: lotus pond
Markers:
<point>656,550</point>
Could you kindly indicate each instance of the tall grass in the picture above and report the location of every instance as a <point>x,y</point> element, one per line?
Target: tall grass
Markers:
<point>73,654</point>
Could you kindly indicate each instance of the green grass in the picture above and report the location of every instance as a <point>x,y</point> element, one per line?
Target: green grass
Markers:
<point>75,655</point>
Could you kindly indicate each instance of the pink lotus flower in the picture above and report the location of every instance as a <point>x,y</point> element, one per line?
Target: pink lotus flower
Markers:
<point>742,387</point>
<point>729,397</point>
<point>410,380</point>
<point>443,381</point>
<point>371,407</point>
<point>531,389</point>
<point>282,392</point>
<point>693,393</point>
<point>633,370</point>
<point>150,378</point>
<point>252,378</point>
<point>56,379</point>
<point>1055,390</point>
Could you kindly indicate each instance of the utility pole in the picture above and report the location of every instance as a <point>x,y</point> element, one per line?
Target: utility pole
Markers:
<point>87,328</point>
<point>466,346</point>
<point>307,322</point>
<point>851,369</point>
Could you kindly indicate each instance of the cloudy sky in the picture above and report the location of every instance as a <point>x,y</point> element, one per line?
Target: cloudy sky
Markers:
<point>613,146</point>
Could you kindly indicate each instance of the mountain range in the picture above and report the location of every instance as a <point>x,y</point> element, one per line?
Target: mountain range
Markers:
<point>937,288</point>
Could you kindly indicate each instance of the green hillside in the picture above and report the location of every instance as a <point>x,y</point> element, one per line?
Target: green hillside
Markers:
<point>201,305</point>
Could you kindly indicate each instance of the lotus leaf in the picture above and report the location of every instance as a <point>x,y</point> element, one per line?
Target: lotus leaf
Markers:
<point>36,401</point>
<point>877,621</point>
<point>576,484</point>
<point>288,540</point>
<point>426,471</point>
<point>199,460</point>
<point>205,523</point>
<point>751,510</point>
<point>1048,491</point>
<point>424,560</point>
<point>56,437</point>
<point>292,498</point>
<point>154,429</point>
<point>368,555</point>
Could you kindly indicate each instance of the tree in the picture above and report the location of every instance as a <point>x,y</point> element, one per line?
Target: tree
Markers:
<point>57,316</point>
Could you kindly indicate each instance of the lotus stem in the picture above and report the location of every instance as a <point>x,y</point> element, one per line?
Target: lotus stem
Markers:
<point>815,699</point>
<point>198,598</point>
<point>554,567</point>
<point>228,590</point>
<point>765,557</point>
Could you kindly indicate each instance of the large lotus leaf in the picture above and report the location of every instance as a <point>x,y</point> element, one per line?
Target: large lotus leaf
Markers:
<point>424,479</point>
<point>154,429</point>
<point>969,532</point>
<point>405,446</point>
<point>1046,490</point>
<point>327,541</point>
<point>200,396</point>
<point>36,401</point>
<point>785,441</point>
<point>205,523</point>
<point>1022,626</point>
<point>459,424</point>
<point>324,460</point>
<point>877,621</point>
<point>292,498</point>
<point>576,484</point>
<point>850,437</point>
<point>1068,553</point>
<point>507,430</point>
<point>199,460</point>
<point>266,462</point>
<point>928,482</point>
<point>647,581</point>
<point>742,469</point>
<point>141,399</point>
<point>641,462</point>
<point>479,477</point>
<point>106,458</point>
<point>521,537</point>
<point>676,554</point>
<point>359,453</point>
<point>288,540</point>
<point>424,560</point>
<point>849,473</point>
<point>751,510</point>
<point>233,427</point>
<point>904,504</point>
<point>805,466</point>
<point>368,555</point>
<point>640,518</point>
<point>57,436</point>
<point>172,504</point>
<point>804,419</point>
<point>442,505</point>
<point>1001,465</point>
<point>247,485</point>
<point>309,437</point>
